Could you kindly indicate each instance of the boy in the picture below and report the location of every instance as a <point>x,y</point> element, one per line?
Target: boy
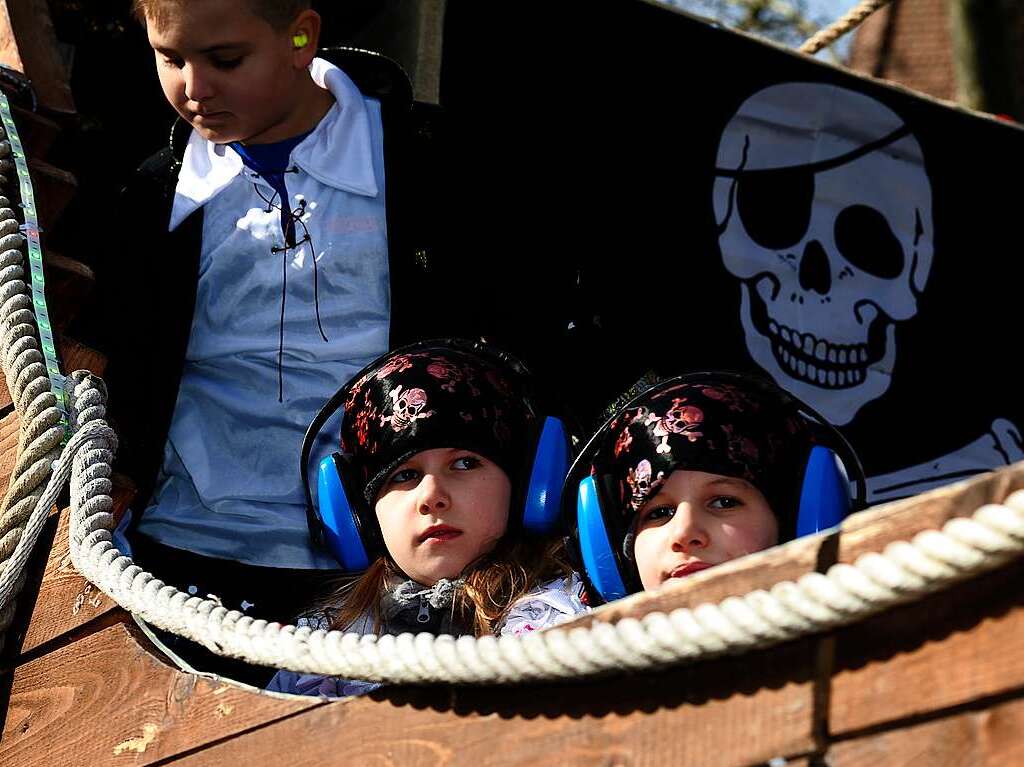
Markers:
<point>270,251</point>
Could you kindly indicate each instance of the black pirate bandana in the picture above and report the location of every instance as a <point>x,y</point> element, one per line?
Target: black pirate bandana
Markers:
<point>729,428</point>
<point>434,396</point>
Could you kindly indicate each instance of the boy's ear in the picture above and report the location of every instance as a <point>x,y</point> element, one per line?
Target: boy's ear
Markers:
<point>304,33</point>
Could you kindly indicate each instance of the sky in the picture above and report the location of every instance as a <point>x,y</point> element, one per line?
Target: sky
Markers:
<point>821,11</point>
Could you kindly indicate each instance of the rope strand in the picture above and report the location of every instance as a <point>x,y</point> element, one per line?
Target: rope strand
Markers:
<point>848,22</point>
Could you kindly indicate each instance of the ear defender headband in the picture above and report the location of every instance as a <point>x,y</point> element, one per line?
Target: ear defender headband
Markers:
<point>448,393</point>
<point>592,501</point>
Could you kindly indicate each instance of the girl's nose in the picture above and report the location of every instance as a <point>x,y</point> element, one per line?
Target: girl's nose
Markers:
<point>433,496</point>
<point>688,533</point>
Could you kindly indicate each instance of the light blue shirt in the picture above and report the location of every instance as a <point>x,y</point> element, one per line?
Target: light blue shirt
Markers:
<point>229,485</point>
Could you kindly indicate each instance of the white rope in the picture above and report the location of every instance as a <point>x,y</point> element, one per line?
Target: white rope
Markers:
<point>815,602</point>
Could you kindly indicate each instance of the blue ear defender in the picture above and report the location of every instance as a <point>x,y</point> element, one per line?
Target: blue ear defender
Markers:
<point>825,498</point>
<point>341,530</point>
<point>599,558</point>
<point>825,493</point>
<point>342,523</point>
<point>343,527</point>
<point>542,507</point>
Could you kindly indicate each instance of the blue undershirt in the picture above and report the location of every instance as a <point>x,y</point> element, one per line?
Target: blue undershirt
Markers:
<point>270,161</point>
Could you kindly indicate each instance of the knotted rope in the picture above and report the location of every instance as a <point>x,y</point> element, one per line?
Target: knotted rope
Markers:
<point>905,571</point>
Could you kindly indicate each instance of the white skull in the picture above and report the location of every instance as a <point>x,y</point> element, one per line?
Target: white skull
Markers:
<point>830,260</point>
<point>408,405</point>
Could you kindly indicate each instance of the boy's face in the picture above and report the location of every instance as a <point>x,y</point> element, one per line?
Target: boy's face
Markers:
<point>442,510</point>
<point>698,520</point>
<point>227,71</point>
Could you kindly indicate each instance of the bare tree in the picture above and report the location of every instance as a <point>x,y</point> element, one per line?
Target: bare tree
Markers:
<point>785,21</point>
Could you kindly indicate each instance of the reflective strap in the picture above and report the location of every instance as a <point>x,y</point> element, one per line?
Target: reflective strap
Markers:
<point>35,260</point>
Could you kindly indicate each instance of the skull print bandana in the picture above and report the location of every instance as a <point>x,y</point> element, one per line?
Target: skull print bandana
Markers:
<point>729,428</point>
<point>436,395</point>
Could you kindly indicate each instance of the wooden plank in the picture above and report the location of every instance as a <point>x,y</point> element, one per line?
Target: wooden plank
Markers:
<point>54,188</point>
<point>75,356</point>
<point>9,432</point>
<point>37,133</point>
<point>68,284</point>
<point>734,578</point>
<point>874,529</point>
<point>28,44</point>
<point>990,737</point>
<point>106,700</point>
<point>951,649</point>
<point>722,713</point>
<point>65,600</point>
<point>867,531</point>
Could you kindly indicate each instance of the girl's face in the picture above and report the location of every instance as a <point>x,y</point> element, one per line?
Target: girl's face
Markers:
<point>441,510</point>
<point>698,520</point>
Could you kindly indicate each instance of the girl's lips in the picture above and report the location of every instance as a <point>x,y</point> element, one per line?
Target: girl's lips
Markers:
<point>689,569</point>
<point>440,533</point>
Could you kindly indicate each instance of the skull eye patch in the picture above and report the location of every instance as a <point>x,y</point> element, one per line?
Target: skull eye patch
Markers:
<point>775,206</point>
<point>865,239</point>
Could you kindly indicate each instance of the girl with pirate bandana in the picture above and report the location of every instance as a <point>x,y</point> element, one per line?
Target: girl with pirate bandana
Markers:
<point>438,440</point>
<point>699,473</point>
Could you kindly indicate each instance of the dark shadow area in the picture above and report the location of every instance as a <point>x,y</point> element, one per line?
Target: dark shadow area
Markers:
<point>25,602</point>
<point>692,685</point>
<point>955,610</point>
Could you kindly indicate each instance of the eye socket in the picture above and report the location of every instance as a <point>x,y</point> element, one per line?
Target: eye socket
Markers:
<point>466,462</point>
<point>865,239</point>
<point>656,514</point>
<point>226,64</point>
<point>775,206</point>
<point>403,475</point>
<point>725,502</point>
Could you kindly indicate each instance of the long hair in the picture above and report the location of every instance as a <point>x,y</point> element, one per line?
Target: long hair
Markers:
<point>493,583</point>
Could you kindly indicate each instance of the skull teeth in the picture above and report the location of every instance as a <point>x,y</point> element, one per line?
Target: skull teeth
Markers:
<point>817,361</point>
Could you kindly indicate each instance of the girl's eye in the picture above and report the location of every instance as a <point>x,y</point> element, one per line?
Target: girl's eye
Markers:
<point>173,63</point>
<point>403,475</point>
<point>659,513</point>
<point>725,502</point>
<point>466,462</point>
<point>227,63</point>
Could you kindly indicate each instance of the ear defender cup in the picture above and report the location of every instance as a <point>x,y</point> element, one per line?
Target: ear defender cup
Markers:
<point>341,527</point>
<point>342,522</point>
<point>831,472</point>
<point>599,558</point>
<point>542,508</point>
<point>825,493</point>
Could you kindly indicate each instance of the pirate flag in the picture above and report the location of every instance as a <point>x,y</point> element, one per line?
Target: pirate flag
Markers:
<point>725,203</point>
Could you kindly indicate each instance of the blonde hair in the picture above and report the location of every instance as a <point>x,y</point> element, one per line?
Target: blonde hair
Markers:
<point>492,585</point>
<point>278,13</point>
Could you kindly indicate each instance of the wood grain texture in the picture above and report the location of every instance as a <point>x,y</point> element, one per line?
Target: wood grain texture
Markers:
<point>29,44</point>
<point>65,599</point>
<point>733,578</point>
<point>951,649</point>
<point>105,700</point>
<point>721,713</point>
<point>54,188</point>
<point>986,738</point>
<point>9,432</point>
<point>874,529</point>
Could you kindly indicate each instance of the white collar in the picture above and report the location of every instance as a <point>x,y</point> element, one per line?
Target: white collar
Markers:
<point>338,153</point>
